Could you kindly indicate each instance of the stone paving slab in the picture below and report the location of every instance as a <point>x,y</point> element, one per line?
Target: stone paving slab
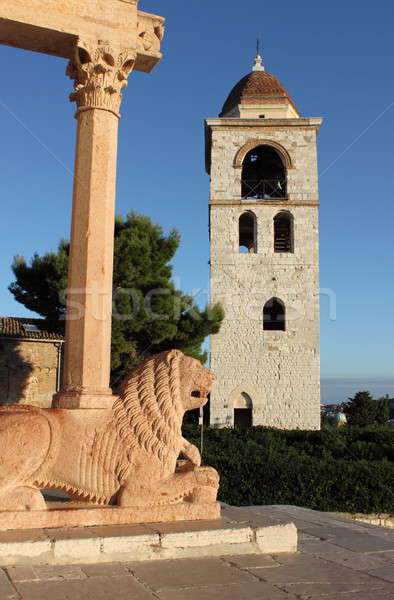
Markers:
<point>245,561</point>
<point>343,556</point>
<point>189,573</point>
<point>308,569</point>
<point>339,591</point>
<point>255,590</point>
<point>341,595</point>
<point>359,542</point>
<point>58,573</point>
<point>387,556</point>
<point>106,570</point>
<point>386,573</point>
<point>7,590</point>
<point>322,570</point>
<point>120,588</point>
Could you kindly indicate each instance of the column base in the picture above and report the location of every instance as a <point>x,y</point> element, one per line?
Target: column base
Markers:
<point>73,399</point>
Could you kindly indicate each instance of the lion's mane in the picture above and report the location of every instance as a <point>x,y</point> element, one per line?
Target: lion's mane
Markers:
<point>148,413</point>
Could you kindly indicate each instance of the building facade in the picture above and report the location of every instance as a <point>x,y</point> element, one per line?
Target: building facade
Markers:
<point>262,160</point>
<point>30,362</point>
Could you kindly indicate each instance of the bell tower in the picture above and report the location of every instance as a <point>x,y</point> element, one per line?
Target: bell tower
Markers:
<point>262,161</point>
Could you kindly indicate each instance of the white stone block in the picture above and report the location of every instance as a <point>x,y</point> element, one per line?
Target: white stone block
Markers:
<point>277,539</point>
<point>192,539</point>
<point>78,548</point>
<point>31,549</point>
<point>121,545</point>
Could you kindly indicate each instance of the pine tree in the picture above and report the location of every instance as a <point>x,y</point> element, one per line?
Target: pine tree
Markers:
<point>149,314</point>
<point>361,410</point>
<point>382,411</point>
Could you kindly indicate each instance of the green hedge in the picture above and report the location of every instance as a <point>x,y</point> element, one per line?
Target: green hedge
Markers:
<point>348,470</point>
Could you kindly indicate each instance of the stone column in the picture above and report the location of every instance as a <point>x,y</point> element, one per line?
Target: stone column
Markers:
<point>100,72</point>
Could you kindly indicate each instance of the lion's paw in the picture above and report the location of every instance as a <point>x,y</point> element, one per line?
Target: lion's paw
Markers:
<point>208,484</point>
<point>22,498</point>
<point>207,476</point>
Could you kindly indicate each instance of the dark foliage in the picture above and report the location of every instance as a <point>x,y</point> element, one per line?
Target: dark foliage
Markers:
<point>348,469</point>
<point>363,410</point>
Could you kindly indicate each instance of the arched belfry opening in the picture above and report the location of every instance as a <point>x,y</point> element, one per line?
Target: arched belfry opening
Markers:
<point>284,232</point>
<point>274,315</point>
<point>243,411</point>
<point>263,174</point>
<point>247,227</point>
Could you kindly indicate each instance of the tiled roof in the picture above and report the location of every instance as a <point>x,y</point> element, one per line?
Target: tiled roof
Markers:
<point>19,328</point>
<point>255,88</point>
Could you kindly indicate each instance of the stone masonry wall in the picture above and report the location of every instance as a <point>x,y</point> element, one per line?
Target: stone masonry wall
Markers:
<point>28,372</point>
<point>279,370</point>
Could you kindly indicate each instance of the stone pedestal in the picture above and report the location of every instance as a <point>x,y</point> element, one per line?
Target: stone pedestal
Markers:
<point>74,515</point>
<point>240,532</point>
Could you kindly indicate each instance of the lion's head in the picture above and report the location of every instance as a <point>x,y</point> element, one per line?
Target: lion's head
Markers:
<point>196,383</point>
<point>154,398</point>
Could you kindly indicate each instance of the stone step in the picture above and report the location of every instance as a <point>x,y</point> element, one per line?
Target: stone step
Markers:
<point>156,541</point>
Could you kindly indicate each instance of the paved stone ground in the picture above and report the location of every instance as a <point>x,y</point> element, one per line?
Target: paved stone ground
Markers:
<point>337,559</point>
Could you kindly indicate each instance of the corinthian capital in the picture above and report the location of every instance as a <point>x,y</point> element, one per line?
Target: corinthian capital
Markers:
<point>100,72</point>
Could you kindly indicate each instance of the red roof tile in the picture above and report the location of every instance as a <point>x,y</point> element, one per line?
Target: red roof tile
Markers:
<point>256,87</point>
<point>15,328</point>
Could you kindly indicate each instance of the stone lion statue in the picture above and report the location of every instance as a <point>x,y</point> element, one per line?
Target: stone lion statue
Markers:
<point>125,456</point>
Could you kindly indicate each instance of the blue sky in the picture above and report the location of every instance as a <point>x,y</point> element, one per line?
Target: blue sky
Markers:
<point>336,60</point>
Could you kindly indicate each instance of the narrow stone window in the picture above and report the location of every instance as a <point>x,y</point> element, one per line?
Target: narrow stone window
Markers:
<point>243,411</point>
<point>283,232</point>
<point>263,174</point>
<point>248,233</point>
<point>274,315</point>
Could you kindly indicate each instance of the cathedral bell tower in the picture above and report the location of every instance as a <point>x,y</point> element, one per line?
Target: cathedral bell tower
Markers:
<point>262,161</point>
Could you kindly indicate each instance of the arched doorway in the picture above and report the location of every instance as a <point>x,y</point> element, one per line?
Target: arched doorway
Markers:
<point>243,411</point>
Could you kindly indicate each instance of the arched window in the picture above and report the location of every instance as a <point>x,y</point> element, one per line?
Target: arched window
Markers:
<point>243,411</point>
<point>248,232</point>
<point>283,232</point>
<point>263,174</point>
<point>274,315</point>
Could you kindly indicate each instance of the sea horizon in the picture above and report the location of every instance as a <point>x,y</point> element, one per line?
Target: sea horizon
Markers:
<point>335,390</point>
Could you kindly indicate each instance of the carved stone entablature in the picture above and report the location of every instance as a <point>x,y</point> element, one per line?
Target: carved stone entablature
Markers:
<point>150,32</point>
<point>100,73</point>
